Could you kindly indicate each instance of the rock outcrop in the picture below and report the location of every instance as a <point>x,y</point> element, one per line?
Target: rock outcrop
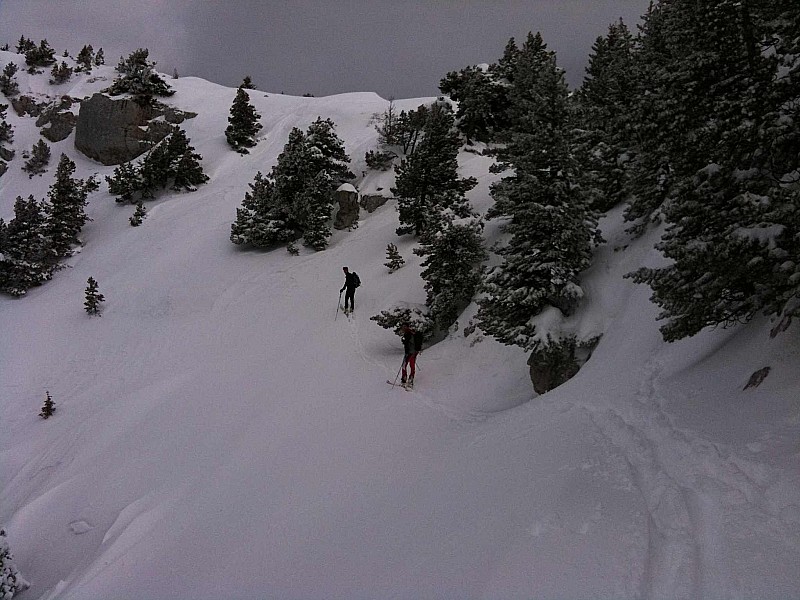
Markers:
<point>371,202</point>
<point>57,120</point>
<point>347,215</point>
<point>114,131</point>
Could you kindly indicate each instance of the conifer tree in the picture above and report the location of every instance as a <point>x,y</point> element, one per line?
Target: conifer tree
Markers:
<point>297,197</point>
<point>427,182</point>
<point>85,59</point>
<point>66,215</point>
<point>185,168</point>
<point>8,82</point>
<point>393,258</point>
<point>125,182</point>
<point>138,215</point>
<point>11,582</point>
<point>25,45</point>
<point>482,95</point>
<point>732,221</point>
<point>60,73</point>
<point>137,76</point>
<point>93,297</point>
<point>247,83</point>
<point>258,221</point>
<point>604,104</point>
<point>173,161</point>
<point>99,58</point>
<point>551,228</point>
<point>49,408</point>
<point>452,269</point>
<point>243,125</point>
<point>41,56</point>
<point>39,158</point>
<point>25,251</point>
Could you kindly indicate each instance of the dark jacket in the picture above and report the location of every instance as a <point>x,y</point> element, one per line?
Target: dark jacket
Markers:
<point>412,342</point>
<point>349,281</point>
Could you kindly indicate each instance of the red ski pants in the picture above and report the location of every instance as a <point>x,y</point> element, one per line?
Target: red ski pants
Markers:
<point>410,360</point>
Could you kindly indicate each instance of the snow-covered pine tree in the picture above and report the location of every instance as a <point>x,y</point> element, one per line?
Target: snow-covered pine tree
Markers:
<point>733,233</point>
<point>243,125</point>
<point>551,228</point>
<point>99,58</point>
<point>327,170</point>
<point>11,582</point>
<point>25,252</point>
<point>138,215</point>
<point>258,221</point>
<point>394,260</point>
<point>482,96</point>
<point>8,81</point>
<point>66,216</point>
<point>427,182</point>
<point>85,59</point>
<point>452,269</point>
<point>247,83</point>
<point>39,159</point>
<point>137,76</point>
<point>49,407</point>
<point>93,297</point>
<point>41,56</point>
<point>185,169</point>
<point>475,93</point>
<point>60,73</point>
<point>394,320</point>
<point>297,197</point>
<point>603,106</point>
<point>24,45</point>
<point>125,182</point>
<point>286,210</point>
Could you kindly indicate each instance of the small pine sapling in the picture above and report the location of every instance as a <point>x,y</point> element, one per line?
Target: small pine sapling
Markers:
<point>139,214</point>
<point>393,258</point>
<point>39,157</point>
<point>49,407</point>
<point>93,297</point>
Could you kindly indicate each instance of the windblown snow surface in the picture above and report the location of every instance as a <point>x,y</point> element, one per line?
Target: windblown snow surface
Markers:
<point>222,433</point>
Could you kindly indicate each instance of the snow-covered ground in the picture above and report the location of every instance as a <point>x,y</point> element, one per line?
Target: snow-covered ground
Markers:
<point>222,433</point>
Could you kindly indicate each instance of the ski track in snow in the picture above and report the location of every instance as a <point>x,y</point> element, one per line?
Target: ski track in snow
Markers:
<point>692,488</point>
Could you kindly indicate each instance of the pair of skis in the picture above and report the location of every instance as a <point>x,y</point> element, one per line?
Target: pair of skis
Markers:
<point>409,387</point>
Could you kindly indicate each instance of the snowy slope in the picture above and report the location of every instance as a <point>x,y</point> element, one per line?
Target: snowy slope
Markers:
<point>222,433</point>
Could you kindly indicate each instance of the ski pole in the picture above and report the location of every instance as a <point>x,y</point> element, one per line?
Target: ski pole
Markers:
<point>338,303</point>
<point>398,372</point>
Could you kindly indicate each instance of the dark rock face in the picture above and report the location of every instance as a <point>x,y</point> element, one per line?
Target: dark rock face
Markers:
<point>372,202</point>
<point>6,153</point>
<point>25,105</point>
<point>112,131</point>
<point>3,168</point>
<point>56,125</point>
<point>347,198</point>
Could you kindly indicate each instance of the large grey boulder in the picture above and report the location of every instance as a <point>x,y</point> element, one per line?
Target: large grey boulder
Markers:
<point>57,120</point>
<point>347,215</point>
<point>112,131</point>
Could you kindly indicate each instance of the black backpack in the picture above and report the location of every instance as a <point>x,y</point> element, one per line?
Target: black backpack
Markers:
<point>356,280</point>
<point>418,337</point>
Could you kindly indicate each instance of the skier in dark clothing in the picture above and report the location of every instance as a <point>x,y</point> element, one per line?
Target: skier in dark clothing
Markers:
<point>412,345</point>
<point>351,282</point>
